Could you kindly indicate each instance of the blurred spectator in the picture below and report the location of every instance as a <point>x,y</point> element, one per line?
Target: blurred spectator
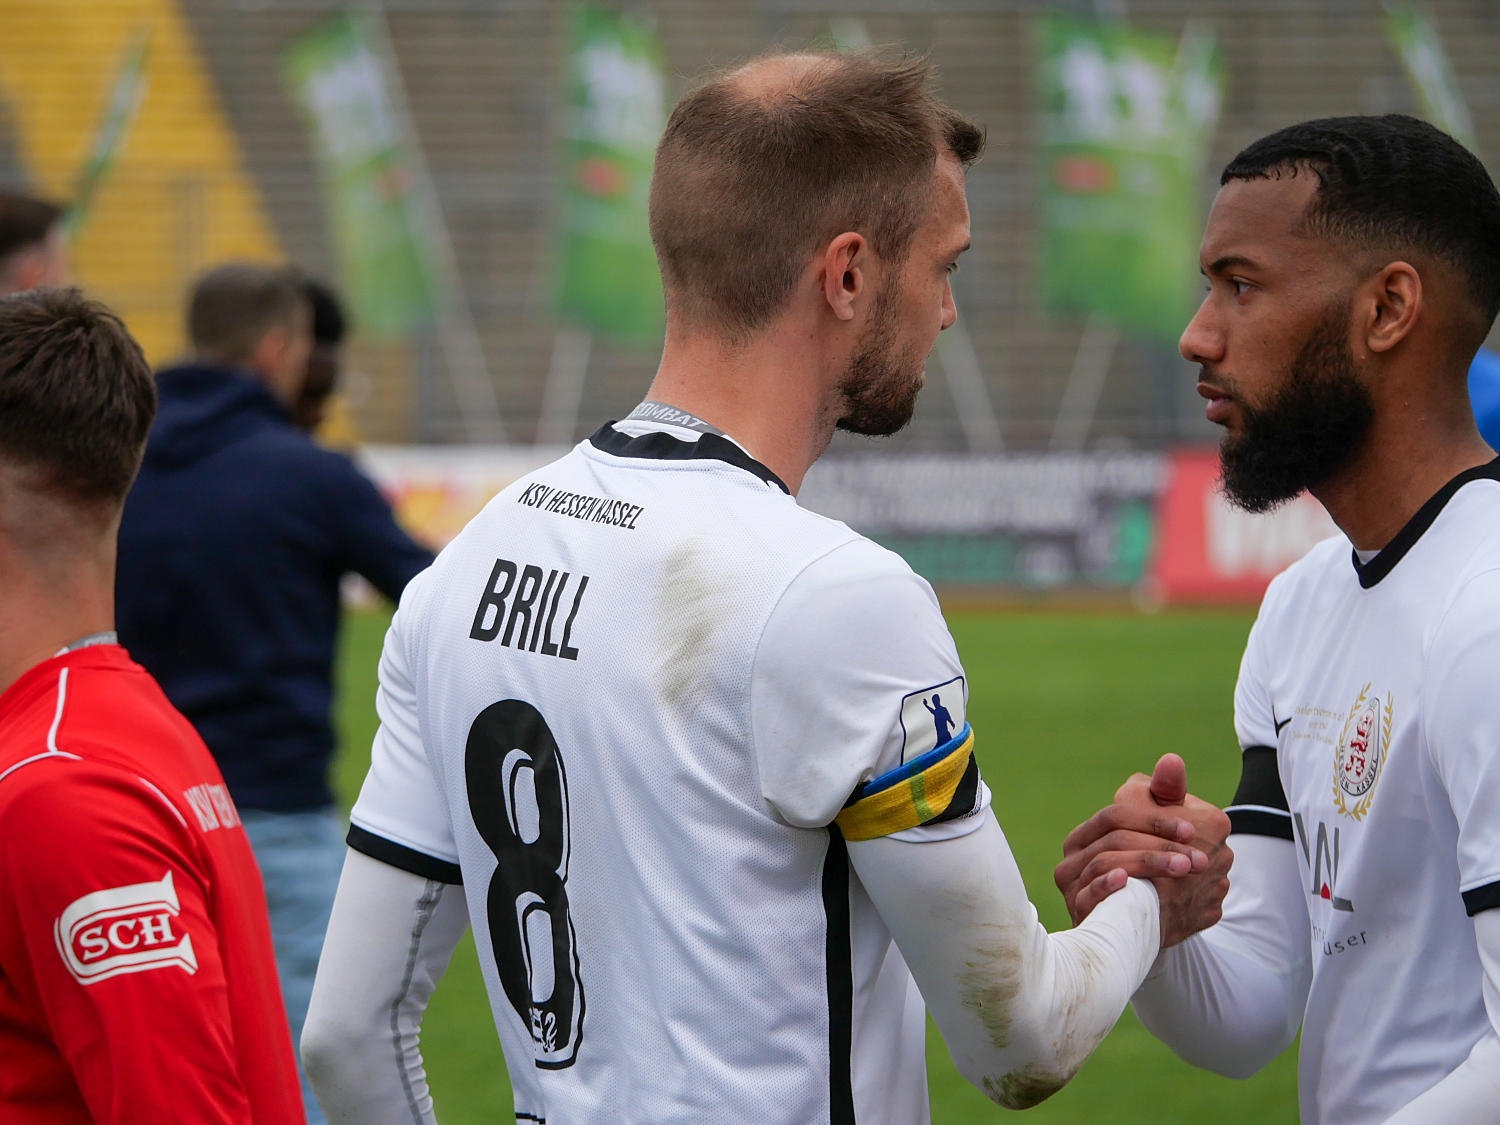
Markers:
<point>232,549</point>
<point>33,249</point>
<point>329,327</point>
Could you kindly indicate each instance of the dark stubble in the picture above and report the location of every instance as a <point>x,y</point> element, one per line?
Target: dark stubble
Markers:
<point>1308,430</point>
<point>880,387</point>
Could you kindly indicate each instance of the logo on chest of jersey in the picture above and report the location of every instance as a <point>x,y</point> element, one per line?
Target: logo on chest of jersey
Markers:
<point>1322,857</point>
<point>1361,751</point>
<point>128,929</point>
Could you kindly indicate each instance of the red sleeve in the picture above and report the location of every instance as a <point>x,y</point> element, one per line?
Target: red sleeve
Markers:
<point>109,903</point>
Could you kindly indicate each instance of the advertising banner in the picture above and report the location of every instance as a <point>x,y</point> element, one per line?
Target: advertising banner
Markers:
<point>337,77</point>
<point>1426,63</point>
<point>1125,121</point>
<point>1134,523</point>
<point>125,94</point>
<point>1208,551</point>
<point>605,277</point>
<point>1027,521</point>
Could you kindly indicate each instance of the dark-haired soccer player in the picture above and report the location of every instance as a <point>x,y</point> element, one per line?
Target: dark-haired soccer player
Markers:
<point>33,250</point>
<point>680,740</point>
<point>137,981</point>
<point>1353,269</point>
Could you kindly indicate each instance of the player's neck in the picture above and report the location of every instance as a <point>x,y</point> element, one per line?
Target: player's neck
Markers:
<point>1409,455</point>
<point>41,614</point>
<point>767,395</point>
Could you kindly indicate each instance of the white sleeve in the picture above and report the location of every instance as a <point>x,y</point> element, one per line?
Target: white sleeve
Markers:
<point>1231,998</point>
<point>401,817</point>
<point>389,941</point>
<point>855,675</point>
<point>1461,717</point>
<point>1254,714</point>
<point>1019,1009</point>
<point>1471,1092</point>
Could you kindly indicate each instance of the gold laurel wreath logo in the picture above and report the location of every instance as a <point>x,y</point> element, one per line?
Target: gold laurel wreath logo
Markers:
<point>1361,806</point>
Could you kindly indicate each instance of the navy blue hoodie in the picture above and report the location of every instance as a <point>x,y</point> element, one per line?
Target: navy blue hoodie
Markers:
<point>232,547</point>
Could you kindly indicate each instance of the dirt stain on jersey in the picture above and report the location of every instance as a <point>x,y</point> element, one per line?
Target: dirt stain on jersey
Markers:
<point>990,986</point>
<point>690,602</point>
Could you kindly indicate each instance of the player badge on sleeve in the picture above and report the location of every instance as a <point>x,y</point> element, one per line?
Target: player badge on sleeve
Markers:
<point>128,929</point>
<point>931,717</point>
<point>1362,747</point>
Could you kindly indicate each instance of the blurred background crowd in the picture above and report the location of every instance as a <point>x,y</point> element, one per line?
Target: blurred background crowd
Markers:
<point>471,175</point>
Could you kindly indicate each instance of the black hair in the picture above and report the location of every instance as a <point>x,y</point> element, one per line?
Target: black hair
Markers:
<point>25,221</point>
<point>330,324</point>
<point>1394,182</point>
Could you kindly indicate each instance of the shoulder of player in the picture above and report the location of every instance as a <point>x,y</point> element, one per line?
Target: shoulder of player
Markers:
<point>1328,560</point>
<point>66,797</point>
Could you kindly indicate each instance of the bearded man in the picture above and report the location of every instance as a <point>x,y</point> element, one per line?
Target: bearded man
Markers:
<point>1353,271</point>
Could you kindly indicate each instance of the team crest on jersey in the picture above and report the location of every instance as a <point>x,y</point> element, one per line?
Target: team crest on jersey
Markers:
<point>128,929</point>
<point>1362,748</point>
<point>931,717</point>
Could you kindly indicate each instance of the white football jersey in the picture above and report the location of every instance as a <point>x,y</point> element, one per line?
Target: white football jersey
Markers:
<point>624,708</point>
<point>1369,717</point>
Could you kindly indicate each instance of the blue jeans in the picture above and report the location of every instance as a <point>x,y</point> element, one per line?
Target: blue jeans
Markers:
<point>300,855</point>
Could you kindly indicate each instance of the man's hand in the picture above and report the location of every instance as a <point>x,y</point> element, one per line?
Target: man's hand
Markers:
<point>1154,830</point>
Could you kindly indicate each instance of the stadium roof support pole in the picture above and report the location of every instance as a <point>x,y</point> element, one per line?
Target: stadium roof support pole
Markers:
<point>563,396</point>
<point>1096,349</point>
<point>457,336</point>
<point>971,395</point>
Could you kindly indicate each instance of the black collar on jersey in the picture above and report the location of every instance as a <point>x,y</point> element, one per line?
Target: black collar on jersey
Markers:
<point>1394,551</point>
<point>661,446</point>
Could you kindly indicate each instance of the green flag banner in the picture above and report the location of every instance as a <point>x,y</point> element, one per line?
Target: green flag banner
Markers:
<point>1126,121</point>
<point>338,78</point>
<point>1416,41</point>
<point>119,111</point>
<point>605,277</point>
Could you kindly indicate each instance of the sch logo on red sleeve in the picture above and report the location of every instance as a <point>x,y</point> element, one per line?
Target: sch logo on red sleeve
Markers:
<point>124,930</point>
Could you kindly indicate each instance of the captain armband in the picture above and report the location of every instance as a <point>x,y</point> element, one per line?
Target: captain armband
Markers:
<point>942,784</point>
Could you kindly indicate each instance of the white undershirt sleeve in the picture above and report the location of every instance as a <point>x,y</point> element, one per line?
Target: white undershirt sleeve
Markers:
<point>1019,1008</point>
<point>389,941</point>
<point>1231,998</point>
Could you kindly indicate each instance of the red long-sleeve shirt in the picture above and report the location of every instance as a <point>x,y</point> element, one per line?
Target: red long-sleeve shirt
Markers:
<point>137,980</point>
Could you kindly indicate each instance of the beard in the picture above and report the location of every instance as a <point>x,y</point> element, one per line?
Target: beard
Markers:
<point>1309,429</point>
<point>881,384</point>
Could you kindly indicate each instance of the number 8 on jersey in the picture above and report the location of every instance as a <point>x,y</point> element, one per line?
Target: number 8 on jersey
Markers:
<point>518,797</point>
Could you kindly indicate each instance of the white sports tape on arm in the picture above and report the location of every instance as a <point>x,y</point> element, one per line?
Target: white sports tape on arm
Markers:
<point>1231,998</point>
<point>1019,1008</point>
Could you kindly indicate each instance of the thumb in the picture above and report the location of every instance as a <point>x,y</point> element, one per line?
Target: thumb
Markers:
<point>1169,780</point>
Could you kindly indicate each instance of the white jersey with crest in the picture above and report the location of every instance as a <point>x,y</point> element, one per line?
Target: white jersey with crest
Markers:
<point>624,708</point>
<point>1368,709</point>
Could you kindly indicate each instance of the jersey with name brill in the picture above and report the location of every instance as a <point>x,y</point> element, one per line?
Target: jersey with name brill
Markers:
<point>624,709</point>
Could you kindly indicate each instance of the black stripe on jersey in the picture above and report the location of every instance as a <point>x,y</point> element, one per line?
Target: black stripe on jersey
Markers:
<point>1259,806</point>
<point>1486,897</point>
<point>659,446</point>
<point>964,797</point>
<point>838,957</point>
<point>407,859</point>
<point>530,1117</point>
<point>1405,539</point>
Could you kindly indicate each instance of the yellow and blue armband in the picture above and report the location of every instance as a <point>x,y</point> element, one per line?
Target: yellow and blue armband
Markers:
<point>942,784</point>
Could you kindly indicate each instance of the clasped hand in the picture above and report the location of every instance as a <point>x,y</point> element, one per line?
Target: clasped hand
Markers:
<point>1154,830</point>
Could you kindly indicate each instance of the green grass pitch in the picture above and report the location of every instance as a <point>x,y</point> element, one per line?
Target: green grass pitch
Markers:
<point>1064,706</point>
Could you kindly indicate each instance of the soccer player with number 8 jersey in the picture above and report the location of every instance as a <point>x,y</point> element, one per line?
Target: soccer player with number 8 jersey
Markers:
<point>693,761</point>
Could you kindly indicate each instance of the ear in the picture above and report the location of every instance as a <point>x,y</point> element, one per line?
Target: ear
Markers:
<point>844,279</point>
<point>1390,303</point>
<point>31,271</point>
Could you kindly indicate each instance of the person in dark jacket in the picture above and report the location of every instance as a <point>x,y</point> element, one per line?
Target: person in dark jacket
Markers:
<point>233,545</point>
